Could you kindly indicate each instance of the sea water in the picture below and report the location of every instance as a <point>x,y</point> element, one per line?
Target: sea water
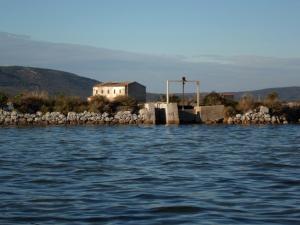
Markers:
<point>192,174</point>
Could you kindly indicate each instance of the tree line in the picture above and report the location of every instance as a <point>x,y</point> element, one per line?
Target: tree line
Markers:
<point>31,102</point>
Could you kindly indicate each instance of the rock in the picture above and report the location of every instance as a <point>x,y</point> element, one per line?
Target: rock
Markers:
<point>22,121</point>
<point>263,110</point>
<point>105,115</point>
<point>238,116</point>
<point>134,116</point>
<point>38,113</point>
<point>14,113</point>
<point>7,121</point>
<point>268,119</point>
<point>249,113</point>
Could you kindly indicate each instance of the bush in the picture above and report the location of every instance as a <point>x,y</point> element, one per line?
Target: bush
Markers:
<point>99,104</point>
<point>292,114</point>
<point>124,103</point>
<point>65,104</point>
<point>272,101</point>
<point>246,103</point>
<point>3,99</point>
<point>31,102</point>
<point>213,98</point>
<point>230,111</point>
<point>172,98</point>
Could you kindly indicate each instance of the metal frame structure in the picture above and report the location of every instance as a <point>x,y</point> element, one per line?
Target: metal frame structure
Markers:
<point>183,81</point>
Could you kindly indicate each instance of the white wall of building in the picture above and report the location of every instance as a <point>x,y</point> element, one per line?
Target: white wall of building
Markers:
<point>109,92</point>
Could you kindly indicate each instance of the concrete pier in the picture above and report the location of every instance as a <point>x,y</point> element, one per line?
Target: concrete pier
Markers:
<point>168,113</point>
<point>162,113</point>
<point>209,114</point>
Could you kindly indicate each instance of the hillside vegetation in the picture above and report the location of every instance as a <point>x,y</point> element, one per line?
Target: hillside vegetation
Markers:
<point>18,79</point>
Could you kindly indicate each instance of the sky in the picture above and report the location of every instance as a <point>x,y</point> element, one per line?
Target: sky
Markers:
<point>221,32</point>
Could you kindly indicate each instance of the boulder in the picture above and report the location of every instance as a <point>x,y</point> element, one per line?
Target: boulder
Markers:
<point>264,110</point>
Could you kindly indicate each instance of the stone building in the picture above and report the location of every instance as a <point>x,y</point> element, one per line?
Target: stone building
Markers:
<point>229,96</point>
<point>114,89</point>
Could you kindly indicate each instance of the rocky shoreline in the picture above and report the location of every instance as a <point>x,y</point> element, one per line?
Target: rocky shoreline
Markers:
<point>73,118</point>
<point>260,116</point>
<point>144,116</point>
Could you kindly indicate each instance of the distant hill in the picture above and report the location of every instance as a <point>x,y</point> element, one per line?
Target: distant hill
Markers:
<point>285,94</point>
<point>17,79</point>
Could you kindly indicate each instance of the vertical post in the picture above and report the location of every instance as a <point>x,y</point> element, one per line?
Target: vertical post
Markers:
<point>167,92</point>
<point>198,93</point>
<point>183,83</point>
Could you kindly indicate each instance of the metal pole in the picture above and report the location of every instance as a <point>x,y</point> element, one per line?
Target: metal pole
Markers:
<point>167,92</point>
<point>183,82</point>
<point>198,93</point>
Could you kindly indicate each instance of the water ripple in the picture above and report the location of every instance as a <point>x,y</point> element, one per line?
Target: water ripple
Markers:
<point>150,175</point>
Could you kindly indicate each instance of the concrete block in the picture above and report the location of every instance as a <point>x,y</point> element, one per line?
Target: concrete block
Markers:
<point>210,113</point>
<point>150,113</point>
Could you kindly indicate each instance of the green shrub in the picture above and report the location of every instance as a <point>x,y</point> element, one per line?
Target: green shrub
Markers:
<point>65,104</point>
<point>31,102</point>
<point>272,101</point>
<point>246,103</point>
<point>3,99</point>
<point>230,111</point>
<point>292,114</point>
<point>124,103</point>
<point>172,98</point>
<point>99,104</point>
<point>213,98</point>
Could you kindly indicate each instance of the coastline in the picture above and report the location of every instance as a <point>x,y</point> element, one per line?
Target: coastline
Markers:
<point>72,118</point>
<point>14,118</point>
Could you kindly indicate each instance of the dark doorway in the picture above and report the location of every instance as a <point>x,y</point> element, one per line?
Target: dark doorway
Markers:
<point>160,116</point>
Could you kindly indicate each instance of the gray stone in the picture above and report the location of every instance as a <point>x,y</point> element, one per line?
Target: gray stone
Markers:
<point>238,116</point>
<point>264,110</point>
<point>230,120</point>
<point>38,113</point>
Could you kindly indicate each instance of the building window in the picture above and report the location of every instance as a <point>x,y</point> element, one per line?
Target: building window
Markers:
<point>120,91</point>
<point>108,91</point>
<point>101,91</point>
<point>96,92</point>
<point>114,91</point>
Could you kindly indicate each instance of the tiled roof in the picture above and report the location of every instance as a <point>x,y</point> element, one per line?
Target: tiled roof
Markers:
<point>113,84</point>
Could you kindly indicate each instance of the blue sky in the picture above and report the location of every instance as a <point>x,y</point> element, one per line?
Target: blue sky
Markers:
<point>229,45</point>
<point>176,27</point>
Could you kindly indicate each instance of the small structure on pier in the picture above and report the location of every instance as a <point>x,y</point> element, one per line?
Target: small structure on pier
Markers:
<point>170,113</point>
<point>184,81</point>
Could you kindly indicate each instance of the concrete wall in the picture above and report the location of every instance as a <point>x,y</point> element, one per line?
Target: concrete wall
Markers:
<point>149,113</point>
<point>210,113</point>
<point>188,116</point>
<point>170,110</point>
